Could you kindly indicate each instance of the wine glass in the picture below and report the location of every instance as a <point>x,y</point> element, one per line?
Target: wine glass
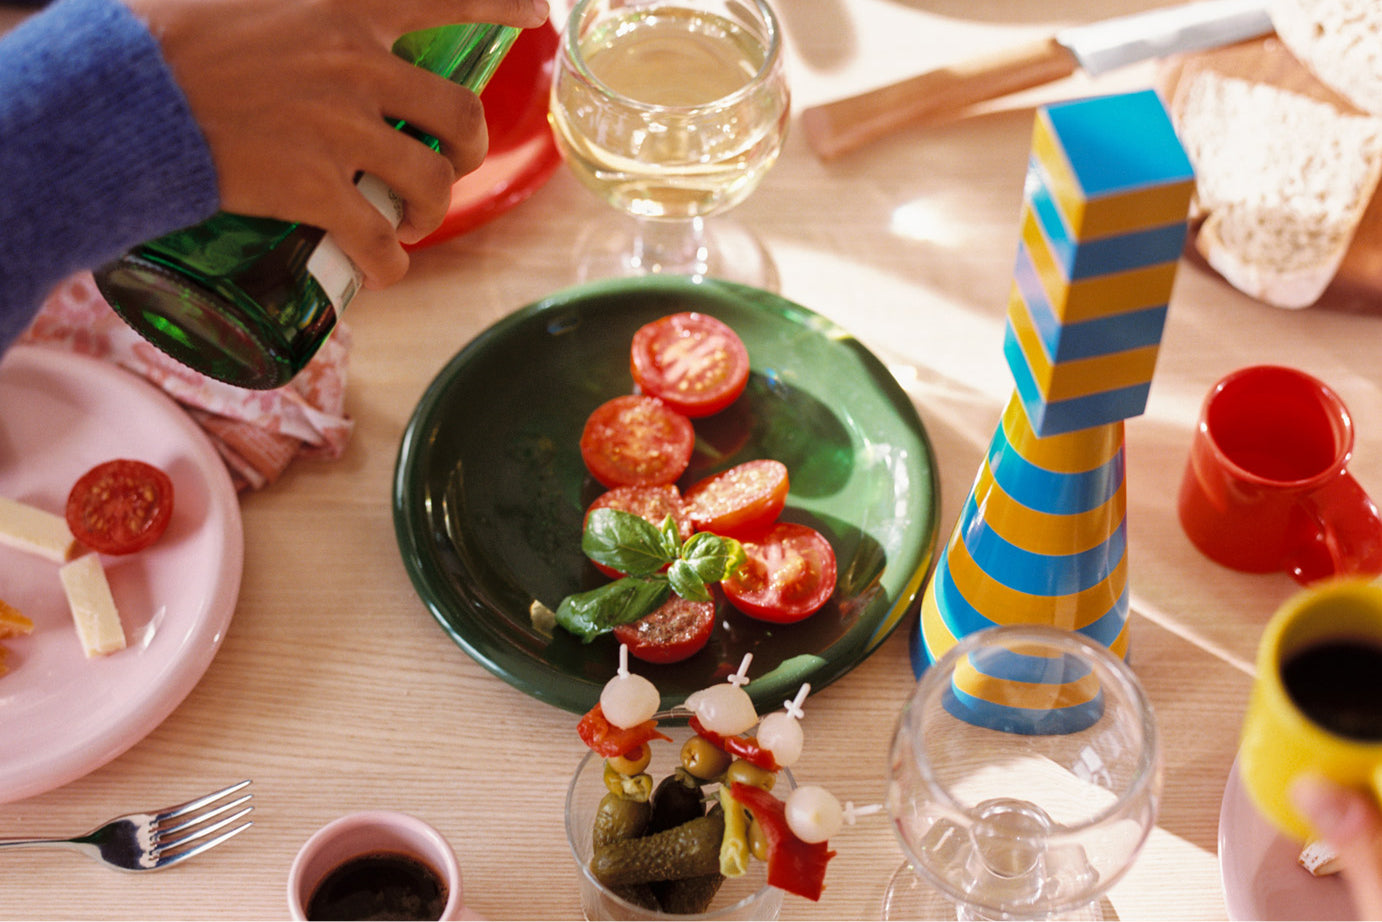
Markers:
<point>672,111</point>
<point>1025,776</point>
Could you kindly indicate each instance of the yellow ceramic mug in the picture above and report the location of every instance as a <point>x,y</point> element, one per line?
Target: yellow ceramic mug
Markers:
<point>1334,619</point>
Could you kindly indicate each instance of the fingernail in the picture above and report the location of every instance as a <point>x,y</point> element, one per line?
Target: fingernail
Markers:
<point>541,9</point>
<point>1324,804</point>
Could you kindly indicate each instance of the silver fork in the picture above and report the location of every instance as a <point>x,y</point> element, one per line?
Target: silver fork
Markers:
<point>151,841</point>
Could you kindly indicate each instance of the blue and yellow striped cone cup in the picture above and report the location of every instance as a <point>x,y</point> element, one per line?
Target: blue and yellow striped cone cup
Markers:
<point>1042,540</point>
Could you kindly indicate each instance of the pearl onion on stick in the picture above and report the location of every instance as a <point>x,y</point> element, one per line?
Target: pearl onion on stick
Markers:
<point>814,814</point>
<point>726,709</point>
<point>628,699</point>
<point>780,733</point>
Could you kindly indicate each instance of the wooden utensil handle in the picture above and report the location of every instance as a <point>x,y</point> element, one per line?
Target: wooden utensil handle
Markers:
<point>838,127</point>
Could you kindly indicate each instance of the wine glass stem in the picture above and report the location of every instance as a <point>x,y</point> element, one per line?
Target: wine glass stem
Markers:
<point>672,247</point>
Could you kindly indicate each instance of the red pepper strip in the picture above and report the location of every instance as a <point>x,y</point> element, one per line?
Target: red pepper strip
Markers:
<point>793,865</point>
<point>610,741</point>
<point>741,747</point>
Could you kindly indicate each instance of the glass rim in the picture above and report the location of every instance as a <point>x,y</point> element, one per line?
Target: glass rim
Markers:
<point>571,52</point>
<point>1148,766</point>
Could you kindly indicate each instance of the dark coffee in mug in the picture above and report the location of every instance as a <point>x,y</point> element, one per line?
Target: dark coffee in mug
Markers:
<point>379,885</point>
<point>1338,684</point>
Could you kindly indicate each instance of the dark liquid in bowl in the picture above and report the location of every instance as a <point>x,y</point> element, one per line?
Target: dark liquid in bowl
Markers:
<point>1338,685</point>
<point>380,885</point>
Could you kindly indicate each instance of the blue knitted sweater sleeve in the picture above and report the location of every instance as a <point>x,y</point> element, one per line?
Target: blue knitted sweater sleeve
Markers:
<point>98,149</point>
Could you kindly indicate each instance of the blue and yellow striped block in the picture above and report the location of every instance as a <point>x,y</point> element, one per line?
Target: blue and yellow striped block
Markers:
<point>1077,339</point>
<point>1114,164</point>
<point>1103,226</point>
<point>1063,416</point>
<point>1092,296</point>
<point>1085,257</point>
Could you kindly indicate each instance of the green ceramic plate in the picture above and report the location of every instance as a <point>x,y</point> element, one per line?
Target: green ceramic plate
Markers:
<point>490,489</point>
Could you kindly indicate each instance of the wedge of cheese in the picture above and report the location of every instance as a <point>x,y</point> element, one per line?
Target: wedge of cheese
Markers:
<point>31,529</point>
<point>93,607</point>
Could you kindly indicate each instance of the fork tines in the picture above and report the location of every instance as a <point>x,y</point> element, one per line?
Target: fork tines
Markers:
<point>190,828</point>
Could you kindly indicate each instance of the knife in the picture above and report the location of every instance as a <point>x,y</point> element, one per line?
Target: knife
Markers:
<point>838,127</point>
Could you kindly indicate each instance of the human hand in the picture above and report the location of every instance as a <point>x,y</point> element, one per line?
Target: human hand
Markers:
<point>1351,823</point>
<point>295,98</point>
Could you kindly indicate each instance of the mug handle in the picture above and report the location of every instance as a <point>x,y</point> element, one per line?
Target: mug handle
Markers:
<point>1345,536</point>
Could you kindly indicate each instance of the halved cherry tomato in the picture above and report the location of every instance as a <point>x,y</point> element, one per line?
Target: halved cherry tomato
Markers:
<point>636,439</point>
<point>652,502</point>
<point>693,361</point>
<point>789,574</point>
<point>677,630</point>
<point>740,501</point>
<point>120,506</point>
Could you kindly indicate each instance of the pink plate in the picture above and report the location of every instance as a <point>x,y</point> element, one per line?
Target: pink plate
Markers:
<point>1261,877</point>
<point>62,715</point>
<point>522,153</point>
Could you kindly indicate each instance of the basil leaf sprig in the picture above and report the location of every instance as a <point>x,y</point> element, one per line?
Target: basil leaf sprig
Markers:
<point>636,547</point>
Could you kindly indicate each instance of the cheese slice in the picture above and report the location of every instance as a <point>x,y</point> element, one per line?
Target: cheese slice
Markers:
<point>36,531</point>
<point>93,607</point>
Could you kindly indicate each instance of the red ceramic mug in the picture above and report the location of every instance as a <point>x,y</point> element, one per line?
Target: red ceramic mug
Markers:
<point>1267,486</point>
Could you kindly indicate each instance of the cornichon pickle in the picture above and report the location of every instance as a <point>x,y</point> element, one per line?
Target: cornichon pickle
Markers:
<point>639,895</point>
<point>690,896</point>
<point>676,799</point>
<point>619,818</point>
<point>689,850</point>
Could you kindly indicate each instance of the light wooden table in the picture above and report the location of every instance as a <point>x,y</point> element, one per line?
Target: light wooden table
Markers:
<point>336,691</point>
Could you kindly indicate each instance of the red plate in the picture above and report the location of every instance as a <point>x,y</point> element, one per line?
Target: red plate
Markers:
<point>522,154</point>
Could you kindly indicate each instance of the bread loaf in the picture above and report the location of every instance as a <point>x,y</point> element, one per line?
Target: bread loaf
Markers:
<point>1340,41</point>
<point>1282,180</point>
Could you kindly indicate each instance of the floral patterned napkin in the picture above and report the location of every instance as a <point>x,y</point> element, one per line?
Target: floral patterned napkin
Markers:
<point>258,433</point>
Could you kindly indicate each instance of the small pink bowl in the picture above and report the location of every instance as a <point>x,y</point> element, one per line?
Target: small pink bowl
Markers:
<point>373,831</point>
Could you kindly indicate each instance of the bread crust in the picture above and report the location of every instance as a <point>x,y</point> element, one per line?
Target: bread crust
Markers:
<point>1340,41</point>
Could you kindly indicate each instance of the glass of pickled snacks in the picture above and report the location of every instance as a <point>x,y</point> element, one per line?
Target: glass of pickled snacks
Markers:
<point>692,852</point>
<point>724,833</point>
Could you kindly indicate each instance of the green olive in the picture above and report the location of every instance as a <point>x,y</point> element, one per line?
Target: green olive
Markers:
<point>747,773</point>
<point>633,761</point>
<point>704,759</point>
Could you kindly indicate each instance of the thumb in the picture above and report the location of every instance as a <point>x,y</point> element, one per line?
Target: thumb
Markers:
<point>1349,821</point>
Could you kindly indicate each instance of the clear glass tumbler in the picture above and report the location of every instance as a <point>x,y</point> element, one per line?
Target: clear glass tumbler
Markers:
<point>746,897</point>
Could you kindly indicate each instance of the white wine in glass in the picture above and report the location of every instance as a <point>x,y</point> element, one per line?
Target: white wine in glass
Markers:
<point>672,111</point>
